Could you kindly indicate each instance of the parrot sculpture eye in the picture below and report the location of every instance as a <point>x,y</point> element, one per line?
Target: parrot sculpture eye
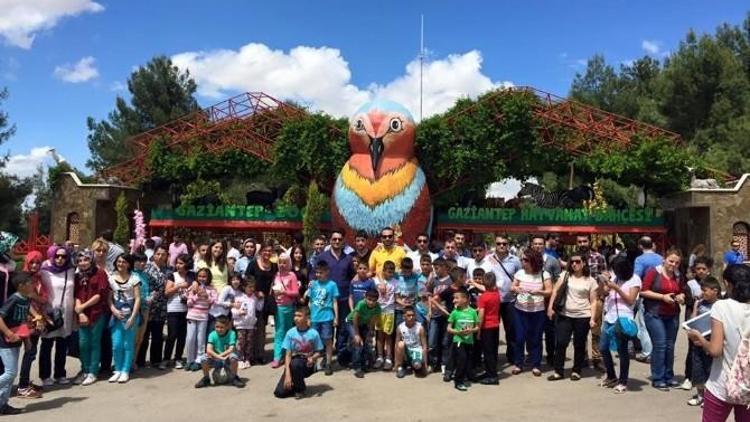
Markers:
<point>382,184</point>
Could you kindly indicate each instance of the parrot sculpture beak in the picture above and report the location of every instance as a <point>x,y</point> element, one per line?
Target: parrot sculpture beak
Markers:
<point>376,151</point>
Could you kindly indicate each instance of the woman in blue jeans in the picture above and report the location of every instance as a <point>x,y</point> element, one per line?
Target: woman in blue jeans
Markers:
<point>663,293</point>
<point>531,286</point>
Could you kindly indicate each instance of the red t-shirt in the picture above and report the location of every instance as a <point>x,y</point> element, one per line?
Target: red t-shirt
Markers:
<point>666,286</point>
<point>86,289</point>
<point>490,302</point>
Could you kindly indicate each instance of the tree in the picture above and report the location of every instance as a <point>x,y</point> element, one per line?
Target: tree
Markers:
<point>13,191</point>
<point>160,92</point>
<point>122,230</point>
<point>6,130</point>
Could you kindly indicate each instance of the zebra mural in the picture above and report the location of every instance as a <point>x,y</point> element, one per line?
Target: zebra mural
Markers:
<point>571,198</point>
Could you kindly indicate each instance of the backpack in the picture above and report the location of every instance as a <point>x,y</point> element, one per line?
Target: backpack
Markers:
<point>738,378</point>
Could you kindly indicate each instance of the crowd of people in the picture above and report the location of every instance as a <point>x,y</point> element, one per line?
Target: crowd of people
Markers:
<point>375,305</point>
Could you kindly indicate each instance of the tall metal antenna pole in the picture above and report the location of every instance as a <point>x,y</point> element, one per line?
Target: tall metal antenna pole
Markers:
<point>421,63</point>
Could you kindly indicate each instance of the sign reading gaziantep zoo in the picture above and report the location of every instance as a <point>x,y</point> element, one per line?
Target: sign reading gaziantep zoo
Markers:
<point>552,216</point>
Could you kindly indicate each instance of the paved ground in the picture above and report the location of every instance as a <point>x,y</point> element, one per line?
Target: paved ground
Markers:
<point>169,396</point>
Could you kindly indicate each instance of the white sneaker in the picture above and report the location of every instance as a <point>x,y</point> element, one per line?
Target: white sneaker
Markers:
<point>63,381</point>
<point>124,377</point>
<point>686,385</point>
<point>49,382</point>
<point>90,379</point>
<point>163,365</point>
<point>79,378</point>
<point>178,364</point>
<point>115,376</point>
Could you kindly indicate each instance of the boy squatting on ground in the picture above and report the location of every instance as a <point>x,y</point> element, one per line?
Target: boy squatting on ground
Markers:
<point>411,344</point>
<point>220,353</point>
<point>302,347</point>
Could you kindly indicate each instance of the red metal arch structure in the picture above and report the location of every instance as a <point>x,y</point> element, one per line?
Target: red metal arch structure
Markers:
<point>251,122</point>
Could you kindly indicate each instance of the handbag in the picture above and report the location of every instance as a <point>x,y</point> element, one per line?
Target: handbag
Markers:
<point>56,319</point>
<point>562,295</point>
<point>625,328</point>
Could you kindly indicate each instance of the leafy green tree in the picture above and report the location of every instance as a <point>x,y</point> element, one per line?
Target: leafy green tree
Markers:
<point>13,191</point>
<point>122,229</point>
<point>160,92</point>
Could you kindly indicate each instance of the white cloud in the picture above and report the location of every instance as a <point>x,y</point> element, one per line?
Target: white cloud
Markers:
<point>652,47</point>
<point>82,71</point>
<point>21,20</point>
<point>117,86</point>
<point>25,165</point>
<point>321,77</point>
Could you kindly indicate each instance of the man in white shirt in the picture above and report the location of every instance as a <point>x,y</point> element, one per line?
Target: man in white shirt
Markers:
<point>450,251</point>
<point>505,266</point>
<point>422,244</point>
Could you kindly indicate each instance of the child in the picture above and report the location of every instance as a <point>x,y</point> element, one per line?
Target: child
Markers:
<point>361,284</point>
<point>246,306</point>
<point>384,326</point>
<point>223,303</point>
<point>425,266</point>
<point>323,294</point>
<point>436,336</point>
<point>475,286</point>
<point>360,323</point>
<point>286,291</point>
<point>489,318</point>
<point>303,347</point>
<point>446,299</point>
<point>200,298</point>
<point>462,324</point>
<point>147,296</point>
<point>220,353</point>
<point>411,344</point>
<point>407,289</point>
<point>14,316</point>
<point>711,291</point>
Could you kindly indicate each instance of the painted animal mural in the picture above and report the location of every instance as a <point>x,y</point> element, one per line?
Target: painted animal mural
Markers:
<point>382,184</point>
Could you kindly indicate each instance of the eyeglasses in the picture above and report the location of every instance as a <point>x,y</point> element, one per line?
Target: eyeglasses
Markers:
<point>421,240</point>
<point>61,256</point>
<point>387,236</point>
<point>576,261</point>
<point>336,239</point>
<point>501,243</point>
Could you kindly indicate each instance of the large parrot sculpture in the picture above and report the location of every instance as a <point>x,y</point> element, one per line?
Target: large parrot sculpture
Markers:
<point>382,185</point>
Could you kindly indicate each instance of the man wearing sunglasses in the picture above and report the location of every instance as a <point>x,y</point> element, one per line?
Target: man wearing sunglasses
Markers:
<point>505,265</point>
<point>421,248</point>
<point>387,250</point>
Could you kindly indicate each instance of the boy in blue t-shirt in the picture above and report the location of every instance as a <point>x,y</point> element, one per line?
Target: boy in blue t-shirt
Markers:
<point>302,347</point>
<point>408,288</point>
<point>220,353</point>
<point>361,284</point>
<point>323,294</point>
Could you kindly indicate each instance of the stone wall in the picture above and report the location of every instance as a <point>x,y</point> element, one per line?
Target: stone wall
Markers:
<point>94,204</point>
<point>725,208</point>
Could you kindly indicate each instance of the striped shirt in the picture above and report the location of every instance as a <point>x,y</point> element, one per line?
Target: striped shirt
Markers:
<point>197,307</point>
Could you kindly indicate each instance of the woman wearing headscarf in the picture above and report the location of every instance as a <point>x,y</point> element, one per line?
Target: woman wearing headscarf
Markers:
<point>91,290</point>
<point>58,277</point>
<point>32,264</point>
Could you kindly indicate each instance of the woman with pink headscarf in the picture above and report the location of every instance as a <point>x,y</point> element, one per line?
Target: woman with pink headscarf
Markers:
<point>32,264</point>
<point>58,277</point>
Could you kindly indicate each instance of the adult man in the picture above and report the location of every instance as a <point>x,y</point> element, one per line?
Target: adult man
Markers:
<point>552,266</point>
<point>648,258</point>
<point>319,245</point>
<point>479,250</point>
<point>505,267</point>
<point>387,251</point>
<point>361,251</point>
<point>597,265</point>
<point>733,256</point>
<point>552,244</point>
<point>421,248</point>
<point>248,255</point>
<point>176,248</point>
<point>450,251</point>
<point>341,272</point>
<point>460,239</point>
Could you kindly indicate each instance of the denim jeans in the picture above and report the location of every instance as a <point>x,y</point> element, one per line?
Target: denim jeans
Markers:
<point>342,334</point>
<point>663,332</point>
<point>90,346</point>
<point>435,337</point>
<point>529,328</point>
<point>362,352</point>
<point>9,357</point>
<point>643,337</point>
<point>622,350</point>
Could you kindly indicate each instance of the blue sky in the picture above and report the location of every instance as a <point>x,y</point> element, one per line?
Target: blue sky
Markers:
<point>74,57</point>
